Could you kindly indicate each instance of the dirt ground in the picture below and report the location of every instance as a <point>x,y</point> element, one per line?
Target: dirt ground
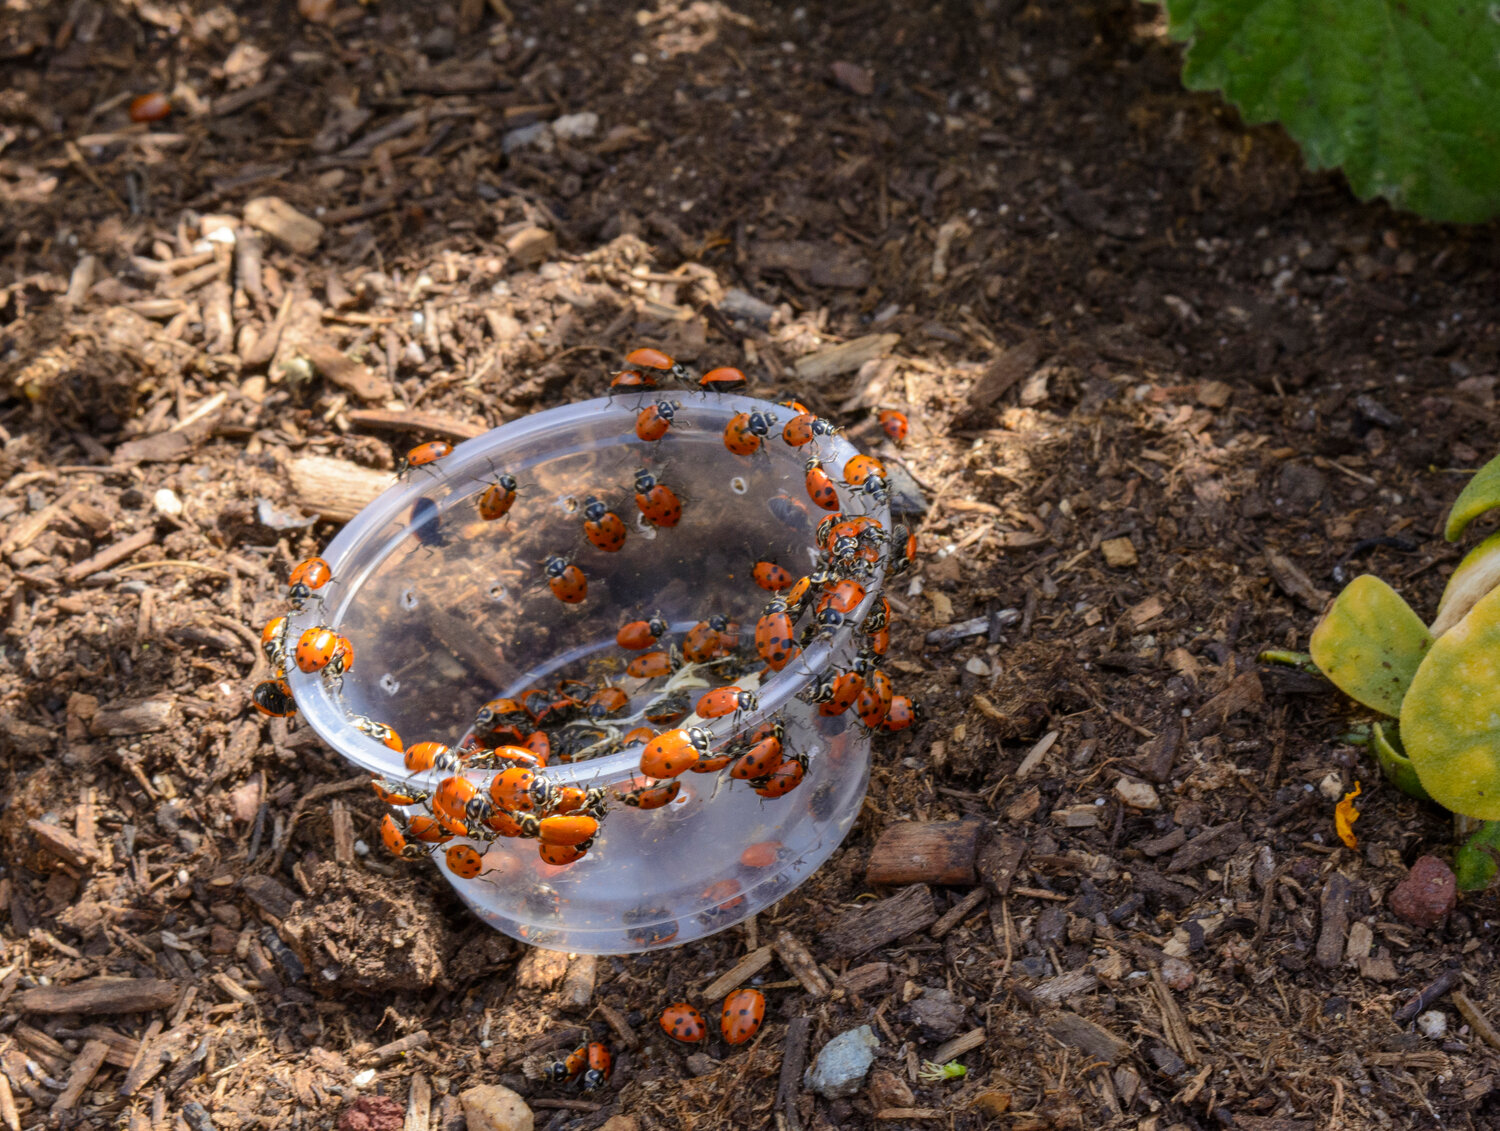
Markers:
<point>1162,384</point>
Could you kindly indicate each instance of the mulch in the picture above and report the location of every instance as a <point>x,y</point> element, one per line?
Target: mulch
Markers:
<point>1163,385</point>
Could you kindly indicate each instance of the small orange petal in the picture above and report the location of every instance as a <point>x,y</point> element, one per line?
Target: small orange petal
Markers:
<point>1344,816</point>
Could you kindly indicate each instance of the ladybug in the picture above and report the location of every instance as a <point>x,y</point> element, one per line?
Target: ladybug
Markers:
<point>724,379</point>
<point>664,711</point>
<point>820,488</point>
<point>845,597</point>
<point>773,636</point>
<point>600,1062</point>
<point>559,855</point>
<point>682,1022</point>
<point>894,423</point>
<point>451,800</point>
<point>758,761</point>
<point>514,788</point>
<point>341,661</point>
<point>274,698</point>
<point>649,665</point>
<point>761,854</point>
<point>726,701</point>
<point>703,640</point>
<point>658,502</point>
<point>744,1010</point>
<point>641,634</point>
<point>828,622</point>
<point>503,822</point>
<point>862,467</point>
<point>561,1071</point>
<point>429,756</point>
<point>607,701</point>
<point>395,843</point>
<point>835,694</point>
<point>770,576</point>
<point>500,713</point>
<point>652,422</point>
<point>633,379</point>
<point>540,746</point>
<point>567,831</point>
<point>273,643</point>
<point>305,579</point>
<point>497,499</point>
<point>804,428</point>
<point>673,752</point>
<point>726,898</point>
<point>151,107</point>
<point>378,731</point>
<point>393,794</point>
<point>427,830</point>
<point>424,454</point>
<point>782,780</point>
<point>788,511</point>
<point>902,714</point>
<point>879,615</point>
<point>463,861</point>
<point>641,735</point>
<point>797,597</point>
<point>648,358</point>
<point>880,641</point>
<point>602,526</point>
<point>505,756</point>
<point>870,707</point>
<point>652,796</point>
<point>566,581</point>
<point>746,431</point>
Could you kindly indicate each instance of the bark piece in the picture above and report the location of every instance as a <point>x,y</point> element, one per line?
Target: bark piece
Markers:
<point>1333,915</point>
<point>530,246</point>
<point>793,1064</point>
<point>98,995</point>
<point>88,1062</point>
<point>740,973</point>
<point>426,424</point>
<point>858,932</point>
<point>821,264</point>
<point>958,912</point>
<point>146,716</point>
<point>126,547</point>
<point>353,376</point>
<point>846,358</point>
<point>1244,691</point>
<point>284,224</point>
<point>270,895</point>
<point>61,843</point>
<point>541,969</point>
<point>933,852</point>
<point>335,489</point>
<point>866,977</point>
<point>1080,1033</point>
<point>1208,845</point>
<point>998,861</point>
<point>578,983</point>
<point>799,960</point>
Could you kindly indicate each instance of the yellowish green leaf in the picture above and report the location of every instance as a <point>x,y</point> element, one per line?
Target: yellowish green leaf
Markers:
<point>1475,576</point>
<point>1369,644</point>
<point>1480,494</point>
<point>1475,861</point>
<point>1395,764</point>
<point>1450,718</point>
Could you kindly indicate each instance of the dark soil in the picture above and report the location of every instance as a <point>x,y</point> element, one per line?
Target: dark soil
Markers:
<point>1128,325</point>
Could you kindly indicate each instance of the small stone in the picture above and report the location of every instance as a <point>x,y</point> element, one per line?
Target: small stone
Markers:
<point>977,666</point>
<point>1177,973</point>
<point>742,304</point>
<point>166,502</point>
<point>493,1107</point>
<point>701,1064</point>
<point>1433,1024</point>
<point>855,79</point>
<point>284,224</point>
<point>886,1089</point>
<point>1331,787</point>
<point>1137,794</point>
<point>937,1016</point>
<point>373,1113</point>
<point>1118,552</point>
<point>576,127</point>
<point>1299,488</point>
<point>841,1065</point>
<point>1427,895</point>
<point>530,246</point>
<point>221,939</point>
<point>537,135</point>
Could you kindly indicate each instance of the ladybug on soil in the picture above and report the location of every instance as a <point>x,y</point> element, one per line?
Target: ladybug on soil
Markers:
<point>895,424</point>
<point>770,576</point>
<point>682,1022</point>
<point>600,1062</point>
<point>647,358</point>
<point>274,698</point>
<point>744,1011</point>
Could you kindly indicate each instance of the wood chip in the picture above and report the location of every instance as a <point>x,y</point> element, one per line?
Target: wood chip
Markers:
<point>1210,844</point>
<point>578,984</point>
<point>998,862</point>
<point>98,995</point>
<point>271,895</point>
<point>418,1104</point>
<point>1333,916</point>
<point>1035,755</point>
<point>1295,583</point>
<point>335,489</point>
<point>845,358</point>
<point>935,852</point>
<point>61,843</point>
<point>957,1046</point>
<point>740,973</point>
<point>1476,1019</point>
<point>1119,552</point>
<point>531,245</point>
<point>892,1113</point>
<point>958,912</point>
<point>1080,1033</point>
<point>283,223</point>
<point>619,1023</point>
<point>427,424</point>
<point>793,1064</point>
<point>346,373</point>
<point>88,1062</point>
<point>1005,372</point>
<point>862,979</point>
<point>412,1042</point>
<point>122,550</point>
<point>799,960</point>
<point>860,931</point>
<point>541,969</point>
<point>823,264</point>
<point>1244,691</point>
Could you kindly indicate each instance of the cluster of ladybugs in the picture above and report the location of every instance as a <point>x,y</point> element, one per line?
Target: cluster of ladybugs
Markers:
<point>741,1018</point>
<point>515,737</point>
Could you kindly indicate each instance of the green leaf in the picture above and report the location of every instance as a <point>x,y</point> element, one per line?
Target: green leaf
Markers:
<point>1369,644</point>
<point>1404,94</point>
<point>1475,861</point>
<point>1450,718</point>
<point>1395,764</point>
<point>1475,576</point>
<point>1480,494</point>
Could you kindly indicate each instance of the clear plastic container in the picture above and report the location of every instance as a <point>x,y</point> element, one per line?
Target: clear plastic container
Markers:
<point>446,611</point>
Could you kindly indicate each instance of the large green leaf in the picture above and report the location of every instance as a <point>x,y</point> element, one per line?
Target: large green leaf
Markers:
<point>1395,764</point>
<point>1450,718</point>
<point>1474,863</point>
<point>1404,94</point>
<point>1481,493</point>
<point>1369,644</point>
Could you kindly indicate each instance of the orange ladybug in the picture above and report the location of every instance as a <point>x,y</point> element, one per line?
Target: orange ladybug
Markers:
<point>895,424</point>
<point>652,422</point>
<point>567,831</point>
<point>632,379</point>
<point>424,454</point>
<point>652,796</point>
<point>782,780</point>
<point>724,379</point>
<point>561,1071</point>
<point>723,701</point>
<point>600,1062</point>
<point>682,1022</point>
<point>845,597</point>
<point>744,1011</point>
<point>463,861</point>
<point>304,580</point>
<point>561,854</point>
<point>512,788</point>
<point>497,499</point>
<point>566,581</point>
<point>395,843</point>
<point>430,756</point>
<point>820,488</point>
<point>903,713</point>
<point>746,431</point>
<point>648,358</point>
<point>649,665</point>
<point>607,701</point>
<point>151,107</point>
<point>657,502</point>
<point>273,643</point>
<point>703,641</point>
<point>641,634</point>
<point>453,798</point>
<point>427,830</point>
<point>378,731</point>
<point>770,576</point>
<point>673,752</point>
<point>862,467</point>
<point>773,636</point>
<point>761,759</point>
<point>393,794</point>
<point>602,526</point>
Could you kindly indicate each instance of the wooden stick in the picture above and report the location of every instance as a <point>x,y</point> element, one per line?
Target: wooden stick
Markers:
<point>418,1104</point>
<point>1476,1019</point>
<point>88,1062</point>
<point>793,1063</point>
<point>958,912</point>
<point>343,831</point>
<point>617,1022</point>
<point>578,983</point>
<point>412,1042</point>
<point>957,1046</point>
<point>8,1110</point>
<point>98,995</point>
<point>111,555</point>
<point>796,958</point>
<point>61,843</point>
<point>740,973</point>
<point>421,423</point>
<point>862,930</point>
<point>135,1075</point>
<point>335,489</point>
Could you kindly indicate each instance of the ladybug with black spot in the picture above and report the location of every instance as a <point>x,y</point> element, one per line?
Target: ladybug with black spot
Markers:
<point>602,526</point>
